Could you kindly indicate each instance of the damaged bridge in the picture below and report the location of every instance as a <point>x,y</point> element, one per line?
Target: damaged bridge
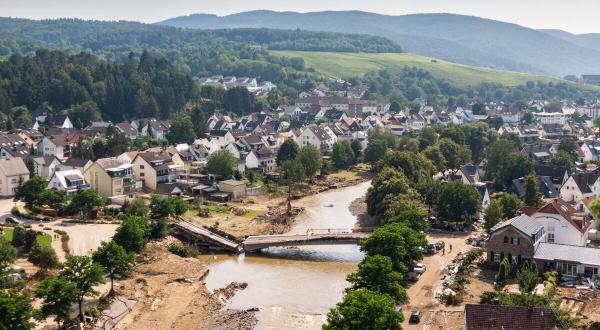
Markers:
<point>312,237</point>
<point>205,238</point>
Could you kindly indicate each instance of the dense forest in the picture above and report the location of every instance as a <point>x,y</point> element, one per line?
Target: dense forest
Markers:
<point>407,84</point>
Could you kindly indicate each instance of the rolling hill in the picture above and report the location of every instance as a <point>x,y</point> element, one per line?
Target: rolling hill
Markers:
<point>456,38</point>
<point>345,65</point>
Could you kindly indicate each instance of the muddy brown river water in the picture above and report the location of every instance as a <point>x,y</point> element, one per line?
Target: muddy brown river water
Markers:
<point>294,288</point>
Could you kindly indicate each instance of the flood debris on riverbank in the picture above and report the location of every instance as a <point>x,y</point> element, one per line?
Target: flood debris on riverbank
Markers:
<point>171,294</point>
<point>364,222</point>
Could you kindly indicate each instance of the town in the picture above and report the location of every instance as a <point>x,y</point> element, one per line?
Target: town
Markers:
<point>179,176</point>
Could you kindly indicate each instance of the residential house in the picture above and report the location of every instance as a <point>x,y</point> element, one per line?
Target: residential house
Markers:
<point>570,260</point>
<point>110,177</point>
<point>318,137</point>
<point>45,166</point>
<point>488,317</point>
<point>515,239</point>
<point>470,174</point>
<point>31,136</point>
<point>164,190</point>
<point>13,172</point>
<point>69,181</point>
<point>538,153</point>
<point>128,129</point>
<point>545,186</point>
<point>579,186</point>
<point>591,151</point>
<point>60,145</point>
<point>557,174</point>
<point>236,189</point>
<point>153,168</point>
<point>75,164</point>
<point>266,159</point>
<point>562,223</point>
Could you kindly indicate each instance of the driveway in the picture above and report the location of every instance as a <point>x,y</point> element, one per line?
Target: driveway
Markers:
<point>84,239</point>
<point>422,292</point>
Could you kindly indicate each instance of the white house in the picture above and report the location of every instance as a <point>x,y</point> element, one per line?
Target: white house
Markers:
<point>549,118</point>
<point>579,186</point>
<point>562,223</point>
<point>69,181</point>
<point>318,137</point>
<point>591,151</point>
<point>13,172</point>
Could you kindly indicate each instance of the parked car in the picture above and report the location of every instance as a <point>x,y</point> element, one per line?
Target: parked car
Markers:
<point>415,317</point>
<point>439,245</point>
<point>420,268</point>
<point>13,220</point>
<point>412,276</point>
<point>430,249</point>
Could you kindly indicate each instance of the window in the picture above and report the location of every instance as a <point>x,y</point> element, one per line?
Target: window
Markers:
<point>514,259</point>
<point>505,239</point>
<point>141,167</point>
<point>515,240</point>
<point>13,180</point>
<point>550,237</point>
<point>141,174</point>
<point>497,257</point>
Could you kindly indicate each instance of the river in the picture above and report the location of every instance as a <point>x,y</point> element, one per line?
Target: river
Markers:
<point>295,288</point>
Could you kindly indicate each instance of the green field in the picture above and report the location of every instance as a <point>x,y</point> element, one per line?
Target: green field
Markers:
<point>42,240</point>
<point>344,65</point>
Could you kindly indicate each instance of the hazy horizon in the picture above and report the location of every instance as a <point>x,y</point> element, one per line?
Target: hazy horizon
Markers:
<point>576,16</point>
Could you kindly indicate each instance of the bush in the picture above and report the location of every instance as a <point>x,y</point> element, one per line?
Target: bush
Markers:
<point>183,250</point>
<point>158,228</point>
<point>15,211</point>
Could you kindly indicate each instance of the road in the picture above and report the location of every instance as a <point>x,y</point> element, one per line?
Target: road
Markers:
<point>422,292</point>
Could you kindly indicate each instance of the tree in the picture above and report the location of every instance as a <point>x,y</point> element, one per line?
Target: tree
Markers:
<point>594,209</point>
<point>455,134</point>
<point>311,159</point>
<point>166,207</point>
<point>454,154</point>
<point>15,311</point>
<point>364,310</point>
<point>86,200</point>
<point>503,270</point>
<point>288,150</point>
<point>199,121</point>
<point>221,163</point>
<point>569,146</point>
<point>434,154</point>
<point>375,151</point>
<point>427,137</point>
<point>58,295</point>
<point>387,182</point>
<point>82,114</point>
<point>413,166</point>
<point>356,149</point>
<point>85,274</point>
<point>182,130</point>
<point>458,202</point>
<point>29,191</point>
<point>413,218</point>
<point>292,173</point>
<point>44,257</point>
<point>493,214</point>
<point>54,198</point>
<point>376,273</point>
<point>505,163</point>
<point>510,205</point>
<point>564,159</point>
<point>8,254</point>
<point>532,196</point>
<point>342,154</point>
<point>137,207</point>
<point>397,241</point>
<point>395,107</point>
<point>115,260</point>
<point>528,277</point>
<point>133,234</point>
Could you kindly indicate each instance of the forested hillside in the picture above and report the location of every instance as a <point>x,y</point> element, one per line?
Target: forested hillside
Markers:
<point>456,38</point>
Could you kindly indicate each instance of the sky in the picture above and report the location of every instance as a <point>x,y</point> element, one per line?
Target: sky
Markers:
<point>576,16</point>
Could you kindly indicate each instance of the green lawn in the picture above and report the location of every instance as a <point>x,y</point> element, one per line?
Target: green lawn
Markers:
<point>344,65</point>
<point>43,240</point>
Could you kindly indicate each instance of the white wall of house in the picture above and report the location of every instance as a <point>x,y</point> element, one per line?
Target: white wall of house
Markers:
<point>564,232</point>
<point>570,192</point>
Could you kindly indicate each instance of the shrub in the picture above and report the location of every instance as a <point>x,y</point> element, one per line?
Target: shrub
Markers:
<point>15,211</point>
<point>183,250</point>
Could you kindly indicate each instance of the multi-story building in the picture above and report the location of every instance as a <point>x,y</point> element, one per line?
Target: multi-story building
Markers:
<point>111,177</point>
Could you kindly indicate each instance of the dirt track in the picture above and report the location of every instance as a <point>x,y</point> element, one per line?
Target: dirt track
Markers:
<point>171,295</point>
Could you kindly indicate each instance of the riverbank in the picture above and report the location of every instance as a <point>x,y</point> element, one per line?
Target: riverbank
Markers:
<point>170,294</point>
<point>267,214</point>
